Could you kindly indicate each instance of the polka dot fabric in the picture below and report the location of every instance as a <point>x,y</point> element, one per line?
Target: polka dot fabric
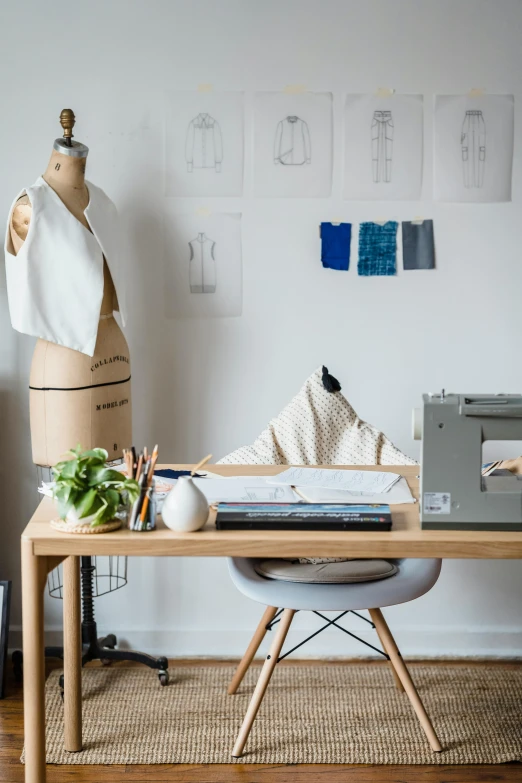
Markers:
<point>319,428</point>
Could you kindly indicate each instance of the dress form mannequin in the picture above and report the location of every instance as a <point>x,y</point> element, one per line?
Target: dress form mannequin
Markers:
<point>75,398</point>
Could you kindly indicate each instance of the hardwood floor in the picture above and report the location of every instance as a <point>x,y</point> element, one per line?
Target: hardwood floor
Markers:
<point>12,771</point>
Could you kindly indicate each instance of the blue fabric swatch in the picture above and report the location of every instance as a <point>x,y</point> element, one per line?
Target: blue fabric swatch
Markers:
<point>335,245</point>
<point>378,249</point>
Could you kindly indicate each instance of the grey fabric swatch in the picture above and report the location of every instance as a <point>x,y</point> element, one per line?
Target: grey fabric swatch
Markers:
<point>418,246</point>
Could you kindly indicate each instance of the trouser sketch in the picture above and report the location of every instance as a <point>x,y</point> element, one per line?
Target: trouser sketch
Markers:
<point>382,146</point>
<point>473,144</point>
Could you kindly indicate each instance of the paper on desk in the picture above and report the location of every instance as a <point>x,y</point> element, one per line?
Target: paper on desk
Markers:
<point>249,489</point>
<point>399,493</point>
<point>363,482</point>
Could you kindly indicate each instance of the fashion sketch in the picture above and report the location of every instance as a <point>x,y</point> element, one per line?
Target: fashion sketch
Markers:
<point>202,265</point>
<point>204,144</point>
<point>473,146</point>
<point>292,145</point>
<point>263,494</point>
<point>382,145</point>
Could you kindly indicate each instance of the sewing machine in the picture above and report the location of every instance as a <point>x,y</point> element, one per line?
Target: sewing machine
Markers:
<point>454,494</point>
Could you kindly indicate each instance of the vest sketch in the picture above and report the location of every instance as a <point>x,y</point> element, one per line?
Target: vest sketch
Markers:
<point>202,265</point>
<point>292,146</point>
<point>204,144</point>
<point>473,147</point>
<point>382,146</point>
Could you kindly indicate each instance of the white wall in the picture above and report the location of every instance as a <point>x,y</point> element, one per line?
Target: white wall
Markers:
<point>211,386</point>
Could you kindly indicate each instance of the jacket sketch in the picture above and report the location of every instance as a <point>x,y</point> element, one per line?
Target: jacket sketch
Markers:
<point>292,145</point>
<point>202,265</point>
<point>204,144</point>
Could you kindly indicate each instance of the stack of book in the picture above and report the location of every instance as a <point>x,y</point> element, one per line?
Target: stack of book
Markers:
<point>302,516</point>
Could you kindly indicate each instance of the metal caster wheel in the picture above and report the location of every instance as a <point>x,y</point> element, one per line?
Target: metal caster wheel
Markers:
<point>110,641</point>
<point>163,677</point>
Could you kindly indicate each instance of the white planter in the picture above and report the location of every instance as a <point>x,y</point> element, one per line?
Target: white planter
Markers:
<point>185,509</point>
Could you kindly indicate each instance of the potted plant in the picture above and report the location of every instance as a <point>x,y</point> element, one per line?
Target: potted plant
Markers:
<point>89,494</point>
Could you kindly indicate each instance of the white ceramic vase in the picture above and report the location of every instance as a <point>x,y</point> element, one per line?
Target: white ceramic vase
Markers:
<point>185,509</point>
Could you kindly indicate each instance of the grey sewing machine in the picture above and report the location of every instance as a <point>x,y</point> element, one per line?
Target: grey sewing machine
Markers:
<point>454,494</point>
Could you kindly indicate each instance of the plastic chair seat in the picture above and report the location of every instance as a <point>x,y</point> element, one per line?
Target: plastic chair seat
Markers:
<point>414,578</point>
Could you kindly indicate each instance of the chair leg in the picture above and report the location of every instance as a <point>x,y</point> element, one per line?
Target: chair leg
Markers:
<point>264,679</point>
<point>252,648</point>
<point>404,675</point>
<point>396,677</point>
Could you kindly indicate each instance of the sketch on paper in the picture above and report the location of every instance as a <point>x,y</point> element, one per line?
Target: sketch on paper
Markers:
<point>292,146</point>
<point>204,144</point>
<point>202,265</point>
<point>263,494</point>
<point>383,140</point>
<point>382,145</point>
<point>473,147</point>
<point>357,481</point>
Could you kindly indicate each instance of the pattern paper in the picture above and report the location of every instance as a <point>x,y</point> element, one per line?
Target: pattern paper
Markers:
<point>203,268</point>
<point>293,144</point>
<point>473,147</point>
<point>362,482</point>
<point>204,144</point>
<point>383,147</point>
<point>335,245</point>
<point>418,247</point>
<point>377,249</point>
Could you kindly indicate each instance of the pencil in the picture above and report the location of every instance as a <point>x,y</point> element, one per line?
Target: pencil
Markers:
<point>150,475</point>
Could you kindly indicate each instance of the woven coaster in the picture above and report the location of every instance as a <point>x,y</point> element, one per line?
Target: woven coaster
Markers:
<point>61,524</point>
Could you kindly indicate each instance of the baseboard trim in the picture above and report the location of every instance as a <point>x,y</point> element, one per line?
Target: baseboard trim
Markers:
<point>415,642</point>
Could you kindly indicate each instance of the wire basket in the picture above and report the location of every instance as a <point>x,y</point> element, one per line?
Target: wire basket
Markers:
<point>110,574</point>
<point>110,571</point>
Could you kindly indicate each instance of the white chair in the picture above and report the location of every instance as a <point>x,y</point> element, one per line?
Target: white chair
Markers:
<point>414,578</point>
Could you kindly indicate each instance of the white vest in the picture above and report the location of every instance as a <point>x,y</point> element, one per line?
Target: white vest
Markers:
<point>55,283</point>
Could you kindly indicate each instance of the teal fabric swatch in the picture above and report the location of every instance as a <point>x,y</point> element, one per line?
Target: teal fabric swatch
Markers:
<point>378,249</point>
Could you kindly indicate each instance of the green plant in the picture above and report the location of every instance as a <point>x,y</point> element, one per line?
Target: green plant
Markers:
<point>86,484</point>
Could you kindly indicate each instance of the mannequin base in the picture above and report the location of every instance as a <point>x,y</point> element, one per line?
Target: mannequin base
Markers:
<point>99,650</point>
<point>95,649</point>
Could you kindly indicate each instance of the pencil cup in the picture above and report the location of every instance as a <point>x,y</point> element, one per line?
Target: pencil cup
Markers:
<point>142,515</point>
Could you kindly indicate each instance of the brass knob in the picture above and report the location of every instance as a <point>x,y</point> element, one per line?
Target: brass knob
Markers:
<point>67,120</point>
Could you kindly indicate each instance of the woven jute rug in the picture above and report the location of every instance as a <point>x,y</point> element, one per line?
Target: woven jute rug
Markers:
<point>335,713</point>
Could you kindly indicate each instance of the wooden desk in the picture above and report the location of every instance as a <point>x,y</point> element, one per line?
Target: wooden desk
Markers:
<point>43,548</point>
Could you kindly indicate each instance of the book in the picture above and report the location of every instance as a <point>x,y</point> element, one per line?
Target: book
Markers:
<point>302,516</point>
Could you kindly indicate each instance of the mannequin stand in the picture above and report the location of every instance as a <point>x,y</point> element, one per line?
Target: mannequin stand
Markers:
<point>95,649</point>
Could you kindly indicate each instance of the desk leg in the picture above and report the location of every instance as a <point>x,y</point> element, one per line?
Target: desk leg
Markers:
<point>34,576</point>
<point>72,655</point>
